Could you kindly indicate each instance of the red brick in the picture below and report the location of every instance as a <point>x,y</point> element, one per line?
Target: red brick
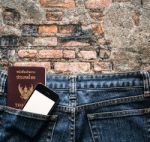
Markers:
<point>75,44</point>
<point>74,67</point>
<point>54,16</point>
<point>47,65</point>
<point>97,16</point>
<point>102,66</point>
<point>48,29</point>
<point>99,29</point>
<point>87,54</point>
<point>50,54</point>
<point>69,54</point>
<point>27,53</point>
<point>65,29</point>
<point>43,2</point>
<point>58,3</point>
<point>45,41</point>
<point>97,4</point>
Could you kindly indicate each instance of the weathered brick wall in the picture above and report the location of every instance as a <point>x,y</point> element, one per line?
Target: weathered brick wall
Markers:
<point>76,36</point>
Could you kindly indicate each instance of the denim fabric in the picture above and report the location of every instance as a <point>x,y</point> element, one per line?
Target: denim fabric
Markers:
<point>92,108</point>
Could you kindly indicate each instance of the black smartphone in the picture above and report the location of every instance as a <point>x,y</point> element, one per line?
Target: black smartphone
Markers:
<point>41,101</point>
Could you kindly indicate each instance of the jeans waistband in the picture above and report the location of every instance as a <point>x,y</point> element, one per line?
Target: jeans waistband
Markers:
<point>100,81</point>
<point>91,81</point>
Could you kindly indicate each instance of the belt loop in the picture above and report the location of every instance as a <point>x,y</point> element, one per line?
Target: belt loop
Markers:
<point>146,82</point>
<point>72,83</point>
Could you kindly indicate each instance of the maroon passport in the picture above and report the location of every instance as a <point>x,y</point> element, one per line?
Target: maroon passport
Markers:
<point>21,83</point>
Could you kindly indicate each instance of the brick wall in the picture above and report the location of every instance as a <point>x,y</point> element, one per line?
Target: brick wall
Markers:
<point>75,36</point>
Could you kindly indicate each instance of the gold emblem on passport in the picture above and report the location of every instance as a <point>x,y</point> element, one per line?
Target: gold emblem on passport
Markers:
<point>25,91</point>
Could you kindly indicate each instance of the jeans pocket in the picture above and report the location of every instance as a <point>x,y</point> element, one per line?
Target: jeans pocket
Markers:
<point>120,126</point>
<point>20,126</point>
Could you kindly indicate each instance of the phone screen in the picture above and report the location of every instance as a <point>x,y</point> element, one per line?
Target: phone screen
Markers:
<point>39,103</point>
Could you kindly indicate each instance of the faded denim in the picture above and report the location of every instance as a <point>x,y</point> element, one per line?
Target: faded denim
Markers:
<point>92,108</point>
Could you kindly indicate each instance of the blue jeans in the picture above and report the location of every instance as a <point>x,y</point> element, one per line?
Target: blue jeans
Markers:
<point>92,108</point>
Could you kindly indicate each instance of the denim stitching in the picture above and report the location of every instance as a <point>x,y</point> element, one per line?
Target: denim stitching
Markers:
<point>19,112</point>
<point>53,131</point>
<point>122,113</point>
<point>109,88</point>
<point>72,125</point>
<point>111,102</point>
<point>102,103</point>
<point>88,88</point>
<point>146,127</point>
<point>91,129</point>
<point>87,76</point>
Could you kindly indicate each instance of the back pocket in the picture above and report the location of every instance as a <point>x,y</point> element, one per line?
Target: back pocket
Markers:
<point>120,126</point>
<point>20,126</point>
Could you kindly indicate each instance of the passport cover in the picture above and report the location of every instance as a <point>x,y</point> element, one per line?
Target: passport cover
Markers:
<point>21,83</point>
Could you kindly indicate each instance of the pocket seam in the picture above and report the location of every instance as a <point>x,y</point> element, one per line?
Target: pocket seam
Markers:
<point>54,126</point>
<point>110,102</point>
<point>91,129</point>
<point>19,112</point>
<point>114,114</point>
